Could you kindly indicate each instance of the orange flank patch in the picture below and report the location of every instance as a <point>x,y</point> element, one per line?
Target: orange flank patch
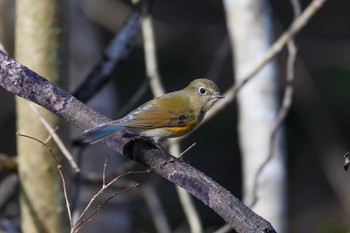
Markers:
<point>179,130</point>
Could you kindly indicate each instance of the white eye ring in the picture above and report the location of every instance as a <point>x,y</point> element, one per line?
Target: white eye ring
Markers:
<point>202,91</point>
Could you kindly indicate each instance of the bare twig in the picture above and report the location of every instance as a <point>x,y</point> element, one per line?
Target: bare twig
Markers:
<point>155,205</point>
<point>118,50</point>
<point>23,82</point>
<point>151,58</point>
<point>191,212</point>
<point>104,187</point>
<point>294,28</point>
<point>49,137</point>
<point>157,90</point>
<point>79,226</point>
<point>58,167</point>
<point>78,186</point>
<point>185,151</point>
<point>104,172</point>
<point>287,37</point>
<point>94,178</point>
<point>296,8</point>
<point>56,138</point>
<point>286,103</point>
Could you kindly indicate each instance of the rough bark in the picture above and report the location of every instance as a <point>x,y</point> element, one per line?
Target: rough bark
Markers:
<point>38,37</point>
<point>23,82</point>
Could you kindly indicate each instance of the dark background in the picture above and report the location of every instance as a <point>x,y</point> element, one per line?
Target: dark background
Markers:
<point>188,34</point>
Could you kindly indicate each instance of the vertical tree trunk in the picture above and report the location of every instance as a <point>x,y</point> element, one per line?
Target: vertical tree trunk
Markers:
<point>38,36</point>
<point>6,25</point>
<point>250,29</point>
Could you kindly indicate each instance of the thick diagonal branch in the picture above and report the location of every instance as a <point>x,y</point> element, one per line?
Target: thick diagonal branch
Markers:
<point>23,82</point>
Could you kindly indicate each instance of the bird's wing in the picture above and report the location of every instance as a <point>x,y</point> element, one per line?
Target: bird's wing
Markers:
<point>153,115</point>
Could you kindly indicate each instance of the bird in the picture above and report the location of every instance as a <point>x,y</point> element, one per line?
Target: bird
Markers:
<point>171,115</point>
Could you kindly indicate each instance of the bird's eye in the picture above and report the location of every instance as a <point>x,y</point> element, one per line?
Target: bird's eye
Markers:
<point>202,90</point>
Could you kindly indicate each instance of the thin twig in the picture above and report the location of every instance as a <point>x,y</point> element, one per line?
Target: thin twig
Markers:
<point>58,167</point>
<point>93,179</point>
<point>154,204</point>
<point>286,103</point>
<point>315,5</point>
<point>78,185</point>
<point>151,57</point>
<point>149,46</point>
<point>158,90</point>
<point>140,150</point>
<point>98,193</point>
<point>185,151</point>
<point>296,8</point>
<point>79,226</point>
<point>294,28</point>
<point>104,172</point>
<point>56,138</point>
<point>49,137</point>
<point>118,50</point>
<point>104,187</point>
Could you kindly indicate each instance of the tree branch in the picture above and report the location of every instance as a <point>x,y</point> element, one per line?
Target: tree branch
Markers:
<point>23,82</point>
<point>118,50</point>
<point>293,29</point>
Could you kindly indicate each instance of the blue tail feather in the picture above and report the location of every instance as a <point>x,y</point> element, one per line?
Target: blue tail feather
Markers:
<point>100,132</point>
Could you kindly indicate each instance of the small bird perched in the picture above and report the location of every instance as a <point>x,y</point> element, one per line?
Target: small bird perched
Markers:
<point>171,115</point>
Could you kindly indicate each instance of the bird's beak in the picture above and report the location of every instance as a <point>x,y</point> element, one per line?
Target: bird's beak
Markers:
<point>218,96</point>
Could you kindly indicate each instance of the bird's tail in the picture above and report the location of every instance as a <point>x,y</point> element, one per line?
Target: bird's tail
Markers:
<point>98,133</point>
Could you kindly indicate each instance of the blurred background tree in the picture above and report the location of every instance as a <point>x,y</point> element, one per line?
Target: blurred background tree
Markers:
<point>190,40</point>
